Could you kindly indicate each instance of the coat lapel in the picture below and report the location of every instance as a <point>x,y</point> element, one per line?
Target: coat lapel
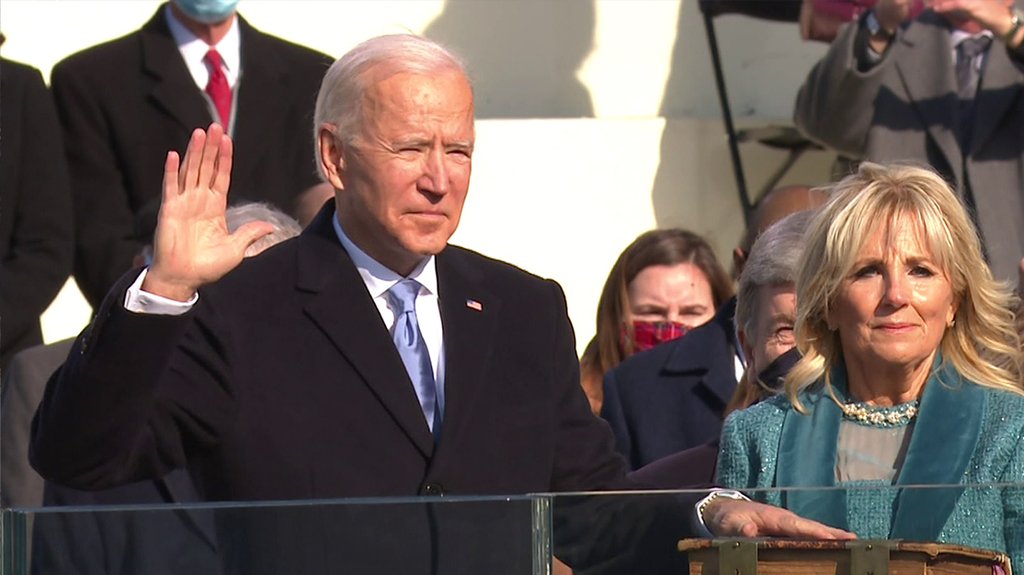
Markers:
<point>173,89</point>
<point>807,455</point>
<point>260,99</point>
<point>715,360</point>
<point>943,442</point>
<point>469,314</point>
<point>336,300</point>
<point>944,439</point>
<point>1000,86</point>
<point>932,88</point>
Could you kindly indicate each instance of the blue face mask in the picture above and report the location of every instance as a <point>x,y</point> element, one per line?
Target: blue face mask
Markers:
<point>207,11</point>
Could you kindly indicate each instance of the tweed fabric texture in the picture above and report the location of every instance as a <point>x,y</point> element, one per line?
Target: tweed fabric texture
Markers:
<point>989,514</point>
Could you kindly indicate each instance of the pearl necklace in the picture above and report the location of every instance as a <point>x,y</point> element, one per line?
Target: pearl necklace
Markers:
<point>895,416</point>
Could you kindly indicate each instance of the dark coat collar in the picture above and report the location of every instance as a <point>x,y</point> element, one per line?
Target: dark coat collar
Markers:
<point>172,88</point>
<point>336,300</point>
<point>710,351</point>
<point>262,89</point>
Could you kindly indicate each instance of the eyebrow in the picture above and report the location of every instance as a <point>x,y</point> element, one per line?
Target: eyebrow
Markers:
<point>650,306</point>
<point>419,142</point>
<point>409,142</point>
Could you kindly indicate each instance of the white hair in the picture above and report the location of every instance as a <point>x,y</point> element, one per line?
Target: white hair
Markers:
<point>339,102</point>
<point>285,226</point>
<point>774,261</point>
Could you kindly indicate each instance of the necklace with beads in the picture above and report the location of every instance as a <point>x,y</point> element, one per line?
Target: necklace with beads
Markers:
<point>874,416</point>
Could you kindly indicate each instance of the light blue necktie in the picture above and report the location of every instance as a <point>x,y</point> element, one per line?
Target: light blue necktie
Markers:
<point>412,348</point>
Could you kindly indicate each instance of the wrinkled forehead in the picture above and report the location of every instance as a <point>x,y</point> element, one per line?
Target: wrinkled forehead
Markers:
<point>444,96</point>
<point>384,72</point>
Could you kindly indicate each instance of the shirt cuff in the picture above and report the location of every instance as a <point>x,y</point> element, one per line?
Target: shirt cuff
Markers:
<point>139,301</point>
<point>699,526</point>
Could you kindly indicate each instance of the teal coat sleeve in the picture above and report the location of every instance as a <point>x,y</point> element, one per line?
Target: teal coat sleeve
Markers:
<point>734,455</point>
<point>748,450</point>
<point>1013,505</point>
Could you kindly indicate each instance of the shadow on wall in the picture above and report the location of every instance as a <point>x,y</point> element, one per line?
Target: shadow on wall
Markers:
<point>536,79</point>
<point>764,62</point>
<point>686,156</point>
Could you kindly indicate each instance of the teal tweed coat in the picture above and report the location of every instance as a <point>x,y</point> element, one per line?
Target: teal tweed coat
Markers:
<point>966,450</point>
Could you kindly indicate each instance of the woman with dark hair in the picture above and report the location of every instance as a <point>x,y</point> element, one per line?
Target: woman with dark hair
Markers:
<point>664,284</point>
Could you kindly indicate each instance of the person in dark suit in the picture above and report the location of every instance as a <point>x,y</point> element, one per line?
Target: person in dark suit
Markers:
<point>121,540</point>
<point>765,315</point>
<point>110,542</point>
<point>107,542</point>
<point>21,390</point>
<point>673,397</point>
<point>943,89</point>
<point>665,283</point>
<point>367,357</point>
<point>35,208</point>
<point>123,103</point>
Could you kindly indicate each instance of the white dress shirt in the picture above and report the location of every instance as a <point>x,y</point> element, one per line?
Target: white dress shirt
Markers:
<point>379,279</point>
<point>193,50</point>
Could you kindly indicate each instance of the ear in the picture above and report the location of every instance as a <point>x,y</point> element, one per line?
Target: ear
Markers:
<point>332,165</point>
<point>951,314</point>
<point>738,259</point>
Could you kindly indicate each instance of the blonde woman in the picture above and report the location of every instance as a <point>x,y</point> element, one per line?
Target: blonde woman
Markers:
<point>911,375</point>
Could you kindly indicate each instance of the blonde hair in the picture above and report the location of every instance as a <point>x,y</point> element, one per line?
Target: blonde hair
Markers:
<point>983,344</point>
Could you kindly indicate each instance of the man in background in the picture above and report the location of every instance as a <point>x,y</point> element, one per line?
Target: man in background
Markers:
<point>943,89</point>
<point>124,103</point>
<point>765,316</point>
<point>165,542</point>
<point>35,208</point>
<point>366,358</point>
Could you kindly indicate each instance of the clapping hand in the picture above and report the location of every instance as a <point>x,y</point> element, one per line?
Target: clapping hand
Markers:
<point>191,245</point>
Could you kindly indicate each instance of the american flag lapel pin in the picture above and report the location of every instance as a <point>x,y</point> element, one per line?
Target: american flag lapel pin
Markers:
<point>474,305</point>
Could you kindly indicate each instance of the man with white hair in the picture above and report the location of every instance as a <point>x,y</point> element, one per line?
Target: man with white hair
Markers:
<point>93,542</point>
<point>368,357</point>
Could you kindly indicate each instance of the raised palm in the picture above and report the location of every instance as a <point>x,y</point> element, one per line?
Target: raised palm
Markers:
<point>192,246</point>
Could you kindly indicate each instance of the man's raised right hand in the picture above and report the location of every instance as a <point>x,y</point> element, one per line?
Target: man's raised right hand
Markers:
<point>191,245</point>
